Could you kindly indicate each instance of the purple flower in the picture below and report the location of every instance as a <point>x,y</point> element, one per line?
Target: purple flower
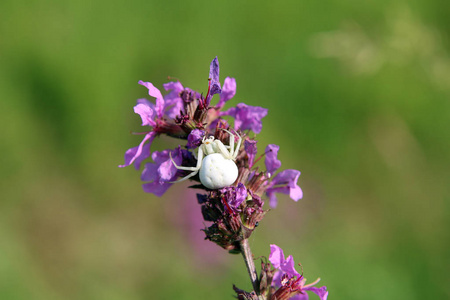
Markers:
<point>162,172</point>
<point>149,114</point>
<point>246,117</point>
<point>286,266</point>
<point>195,138</point>
<point>251,149</point>
<point>154,115</point>
<point>235,195</point>
<point>291,285</point>
<point>284,182</point>
<point>271,161</point>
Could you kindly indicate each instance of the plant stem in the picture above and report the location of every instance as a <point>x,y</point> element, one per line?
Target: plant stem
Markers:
<point>248,259</point>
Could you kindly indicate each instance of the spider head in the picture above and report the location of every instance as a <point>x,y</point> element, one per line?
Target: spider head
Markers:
<point>208,140</point>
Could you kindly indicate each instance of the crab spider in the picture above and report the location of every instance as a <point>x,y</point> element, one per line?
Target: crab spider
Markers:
<point>215,162</point>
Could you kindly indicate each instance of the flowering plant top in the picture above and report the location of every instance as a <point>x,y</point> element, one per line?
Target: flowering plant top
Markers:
<point>221,160</point>
<point>187,114</point>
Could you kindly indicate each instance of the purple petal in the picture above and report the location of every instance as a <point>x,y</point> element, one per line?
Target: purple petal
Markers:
<point>294,193</point>
<point>228,91</point>
<point>156,187</point>
<point>150,172</point>
<point>289,177</point>
<point>166,169</point>
<point>272,198</point>
<point>161,172</point>
<point>173,103</point>
<point>129,156</point>
<point>214,123</point>
<point>195,138</point>
<point>241,195</point>
<point>289,267</point>
<point>175,86</point>
<point>139,153</point>
<point>145,154</point>
<point>147,114</point>
<point>276,256</point>
<point>303,296</point>
<point>251,149</point>
<point>271,161</point>
<point>214,77</point>
<point>154,92</point>
<point>321,292</point>
<point>247,117</point>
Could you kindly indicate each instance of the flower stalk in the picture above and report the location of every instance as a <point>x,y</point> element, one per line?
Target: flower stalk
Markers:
<point>234,188</point>
<point>249,263</point>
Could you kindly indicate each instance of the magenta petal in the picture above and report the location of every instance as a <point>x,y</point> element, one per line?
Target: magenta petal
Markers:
<point>150,172</point>
<point>296,193</point>
<point>145,154</point>
<point>276,256</point>
<point>195,138</point>
<point>285,265</point>
<point>289,176</point>
<point>272,198</point>
<point>139,153</point>
<point>271,161</point>
<point>148,137</point>
<point>174,86</point>
<point>173,103</point>
<point>174,109</point>
<point>154,92</point>
<point>147,114</point>
<point>241,195</point>
<point>167,170</point>
<point>214,77</point>
<point>285,182</point>
<point>228,91</point>
<point>161,172</point>
<point>321,292</point>
<point>214,69</point>
<point>303,296</point>
<point>251,149</point>
<point>156,187</point>
<point>289,267</point>
<point>280,190</point>
<point>246,117</point>
<point>129,155</point>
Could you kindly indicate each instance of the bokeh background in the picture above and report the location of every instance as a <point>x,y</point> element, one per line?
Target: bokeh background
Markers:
<point>359,100</point>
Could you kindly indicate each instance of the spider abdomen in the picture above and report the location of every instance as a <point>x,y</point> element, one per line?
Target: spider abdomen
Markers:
<point>217,171</point>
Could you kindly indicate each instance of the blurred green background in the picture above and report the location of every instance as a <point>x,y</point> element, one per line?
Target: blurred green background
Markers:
<point>359,100</point>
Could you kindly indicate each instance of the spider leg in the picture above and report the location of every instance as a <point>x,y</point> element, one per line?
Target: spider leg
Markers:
<point>231,146</point>
<point>194,169</point>
<point>223,149</point>
<point>186,177</point>
<point>238,146</point>
<point>181,167</point>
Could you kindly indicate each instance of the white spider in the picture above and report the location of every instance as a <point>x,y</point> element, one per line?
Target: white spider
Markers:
<point>215,161</point>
